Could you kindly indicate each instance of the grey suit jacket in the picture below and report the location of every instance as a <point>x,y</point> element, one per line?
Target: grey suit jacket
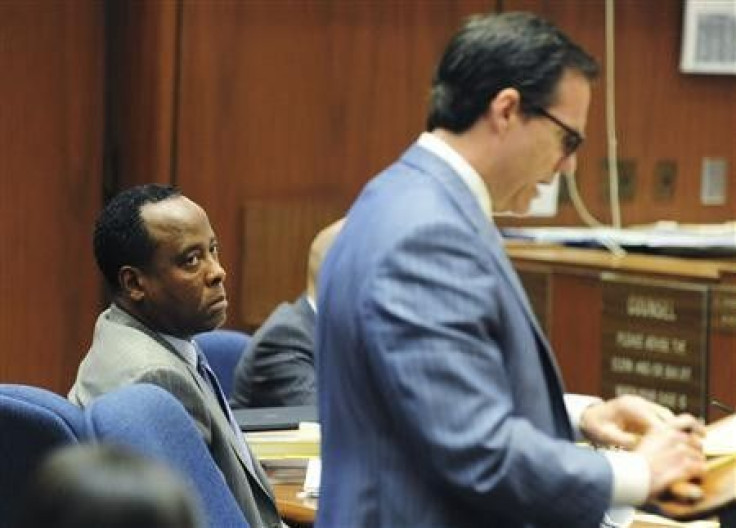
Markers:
<point>277,369</point>
<point>124,351</point>
<point>440,401</point>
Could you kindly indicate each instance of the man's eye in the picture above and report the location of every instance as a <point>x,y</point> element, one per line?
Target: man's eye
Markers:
<point>191,260</point>
<point>215,252</point>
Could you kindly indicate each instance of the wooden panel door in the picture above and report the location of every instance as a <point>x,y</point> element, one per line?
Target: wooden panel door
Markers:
<point>51,58</point>
<point>282,102</point>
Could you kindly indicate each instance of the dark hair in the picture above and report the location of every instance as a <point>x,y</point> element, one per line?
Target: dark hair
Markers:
<point>498,51</point>
<point>105,486</point>
<point>120,236</point>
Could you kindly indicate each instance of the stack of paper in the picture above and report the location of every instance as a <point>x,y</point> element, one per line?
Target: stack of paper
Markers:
<point>721,438</point>
<point>685,238</point>
<point>297,443</point>
<point>645,520</point>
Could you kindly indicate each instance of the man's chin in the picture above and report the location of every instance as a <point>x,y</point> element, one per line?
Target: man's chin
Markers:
<point>522,210</point>
<point>220,320</point>
<point>215,321</point>
<point>514,210</point>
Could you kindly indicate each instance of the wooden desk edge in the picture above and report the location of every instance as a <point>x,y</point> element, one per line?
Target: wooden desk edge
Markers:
<point>292,507</point>
<point>711,270</point>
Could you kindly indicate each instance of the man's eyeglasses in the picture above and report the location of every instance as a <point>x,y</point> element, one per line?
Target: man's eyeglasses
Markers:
<point>572,139</point>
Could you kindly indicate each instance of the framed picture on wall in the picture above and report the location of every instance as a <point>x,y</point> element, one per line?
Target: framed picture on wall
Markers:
<point>709,37</point>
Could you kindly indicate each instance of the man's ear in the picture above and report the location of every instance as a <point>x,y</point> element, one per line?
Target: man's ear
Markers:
<point>504,108</point>
<point>131,283</point>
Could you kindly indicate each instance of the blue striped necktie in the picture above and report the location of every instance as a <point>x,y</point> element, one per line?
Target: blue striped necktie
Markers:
<point>204,369</point>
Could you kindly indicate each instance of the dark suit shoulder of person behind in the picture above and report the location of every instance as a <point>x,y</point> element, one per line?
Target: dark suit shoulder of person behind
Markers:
<point>107,486</point>
<point>277,369</point>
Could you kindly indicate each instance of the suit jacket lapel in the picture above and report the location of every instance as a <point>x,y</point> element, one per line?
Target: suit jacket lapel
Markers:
<point>307,314</point>
<point>253,468</point>
<point>468,206</point>
<point>119,315</point>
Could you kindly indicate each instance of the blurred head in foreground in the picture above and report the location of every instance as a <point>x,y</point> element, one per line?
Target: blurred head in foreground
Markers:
<point>102,486</point>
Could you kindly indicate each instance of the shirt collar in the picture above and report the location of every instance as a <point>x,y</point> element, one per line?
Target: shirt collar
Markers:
<point>312,303</point>
<point>467,173</point>
<point>184,347</point>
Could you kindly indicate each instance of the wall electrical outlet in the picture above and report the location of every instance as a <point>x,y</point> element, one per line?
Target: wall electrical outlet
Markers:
<point>665,178</point>
<point>713,181</point>
<point>626,180</point>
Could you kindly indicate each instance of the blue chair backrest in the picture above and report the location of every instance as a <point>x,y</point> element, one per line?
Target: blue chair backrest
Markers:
<point>33,422</point>
<point>223,349</point>
<point>148,419</point>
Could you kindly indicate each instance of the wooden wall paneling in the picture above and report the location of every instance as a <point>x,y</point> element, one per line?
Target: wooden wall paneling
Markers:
<point>305,101</point>
<point>285,99</point>
<point>575,329</point>
<point>722,372</point>
<point>276,240</point>
<point>51,56</point>
<point>141,85</point>
<point>537,283</point>
<point>665,114</point>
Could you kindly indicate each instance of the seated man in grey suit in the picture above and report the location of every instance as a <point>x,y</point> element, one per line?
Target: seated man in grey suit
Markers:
<point>278,367</point>
<point>159,256</point>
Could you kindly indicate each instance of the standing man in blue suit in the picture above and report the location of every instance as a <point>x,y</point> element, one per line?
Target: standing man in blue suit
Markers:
<point>440,400</point>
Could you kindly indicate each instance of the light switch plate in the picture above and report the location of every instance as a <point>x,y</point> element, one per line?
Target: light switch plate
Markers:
<point>713,181</point>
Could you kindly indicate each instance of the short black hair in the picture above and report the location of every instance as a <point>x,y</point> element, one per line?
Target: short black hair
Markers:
<point>497,51</point>
<point>107,486</point>
<point>120,236</point>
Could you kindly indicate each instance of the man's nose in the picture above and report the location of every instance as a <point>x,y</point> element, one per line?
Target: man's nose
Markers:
<point>216,273</point>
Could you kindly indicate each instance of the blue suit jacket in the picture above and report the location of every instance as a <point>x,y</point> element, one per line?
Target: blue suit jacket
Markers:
<point>440,401</point>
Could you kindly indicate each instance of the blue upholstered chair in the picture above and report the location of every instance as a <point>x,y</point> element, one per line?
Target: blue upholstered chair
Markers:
<point>223,349</point>
<point>148,419</point>
<point>33,422</point>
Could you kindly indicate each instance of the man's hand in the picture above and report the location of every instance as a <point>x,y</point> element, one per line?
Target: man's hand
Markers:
<point>673,456</point>
<point>670,444</point>
<point>622,421</point>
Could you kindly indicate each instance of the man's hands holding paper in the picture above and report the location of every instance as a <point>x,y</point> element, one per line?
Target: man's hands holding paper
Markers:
<point>670,444</point>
